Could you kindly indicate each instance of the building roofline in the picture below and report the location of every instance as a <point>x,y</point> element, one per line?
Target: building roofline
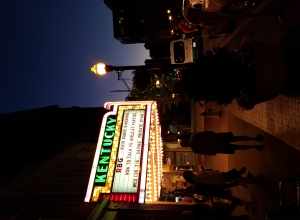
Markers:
<point>108,3</point>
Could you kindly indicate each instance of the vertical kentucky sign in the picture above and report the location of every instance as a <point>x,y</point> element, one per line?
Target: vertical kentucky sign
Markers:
<point>105,151</point>
<point>98,182</point>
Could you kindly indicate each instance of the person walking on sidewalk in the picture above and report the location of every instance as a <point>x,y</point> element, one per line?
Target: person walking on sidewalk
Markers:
<point>213,181</point>
<point>215,184</point>
<point>211,143</point>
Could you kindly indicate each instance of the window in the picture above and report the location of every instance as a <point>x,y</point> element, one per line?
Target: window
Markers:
<point>179,52</point>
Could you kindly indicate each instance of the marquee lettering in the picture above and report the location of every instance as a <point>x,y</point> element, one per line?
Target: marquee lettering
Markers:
<point>102,169</point>
<point>107,142</point>
<point>100,179</point>
<point>104,158</point>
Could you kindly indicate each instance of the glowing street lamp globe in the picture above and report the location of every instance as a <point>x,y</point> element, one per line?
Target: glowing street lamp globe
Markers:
<point>99,69</point>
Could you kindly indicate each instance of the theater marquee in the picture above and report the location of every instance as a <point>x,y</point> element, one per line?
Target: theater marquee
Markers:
<point>127,165</point>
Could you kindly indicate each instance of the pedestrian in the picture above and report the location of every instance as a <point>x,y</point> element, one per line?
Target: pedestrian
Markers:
<point>215,184</point>
<point>212,195</point>
<point>226,87</point>
<point>211,143</point>
<point>213,180</point>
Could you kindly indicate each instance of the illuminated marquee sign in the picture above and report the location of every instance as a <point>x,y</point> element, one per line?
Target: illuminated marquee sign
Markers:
<point>129,155</point>
<point>104,158</point>
<point>127,166</point>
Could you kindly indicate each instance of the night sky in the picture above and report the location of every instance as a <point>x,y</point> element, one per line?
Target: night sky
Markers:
<point>55,42</point>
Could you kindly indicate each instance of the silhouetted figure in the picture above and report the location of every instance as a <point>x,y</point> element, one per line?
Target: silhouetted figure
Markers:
<point>211,143</point>
<point>226,87</point>
<point>214,184</point>
<point>213,181</point>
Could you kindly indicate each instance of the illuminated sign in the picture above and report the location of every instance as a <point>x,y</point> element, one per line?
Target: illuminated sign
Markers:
<point>104,158</point>
<point>128,164</point>
<point>128,158</point>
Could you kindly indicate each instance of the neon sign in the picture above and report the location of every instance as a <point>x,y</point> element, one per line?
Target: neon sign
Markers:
<point>127,165</point>
<point>104,158</point>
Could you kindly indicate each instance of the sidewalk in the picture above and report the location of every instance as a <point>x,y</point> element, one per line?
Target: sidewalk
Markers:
<point>215,123</point>
<point>277,160</point>
<point>279,117</point>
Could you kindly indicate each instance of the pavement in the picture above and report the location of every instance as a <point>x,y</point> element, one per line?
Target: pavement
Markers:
<point>266,31</point>
<point>276,161</point>
<point>279,117</point>
<point>275,115</point>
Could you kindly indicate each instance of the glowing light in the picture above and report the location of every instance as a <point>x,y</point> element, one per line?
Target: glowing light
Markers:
<point>150,169</point>
<point>145,154</point>
<point>128,163</point>
<point>95,162</point>
<point>157,84</point>
<point>99,69</point>
<point>170,18</point>
<point>154,168</point>
<point>168,11</point>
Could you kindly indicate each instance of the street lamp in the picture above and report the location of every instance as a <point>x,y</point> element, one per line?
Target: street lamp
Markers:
<point>101,69</point>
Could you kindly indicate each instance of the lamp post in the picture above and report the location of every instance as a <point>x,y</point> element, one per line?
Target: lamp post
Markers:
<point>101,69</point>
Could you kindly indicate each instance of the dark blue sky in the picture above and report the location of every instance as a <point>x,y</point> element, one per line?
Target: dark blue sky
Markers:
<point>55,42</point>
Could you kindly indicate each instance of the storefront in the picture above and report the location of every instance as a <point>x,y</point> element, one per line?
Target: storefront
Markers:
<point>127,165</point>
